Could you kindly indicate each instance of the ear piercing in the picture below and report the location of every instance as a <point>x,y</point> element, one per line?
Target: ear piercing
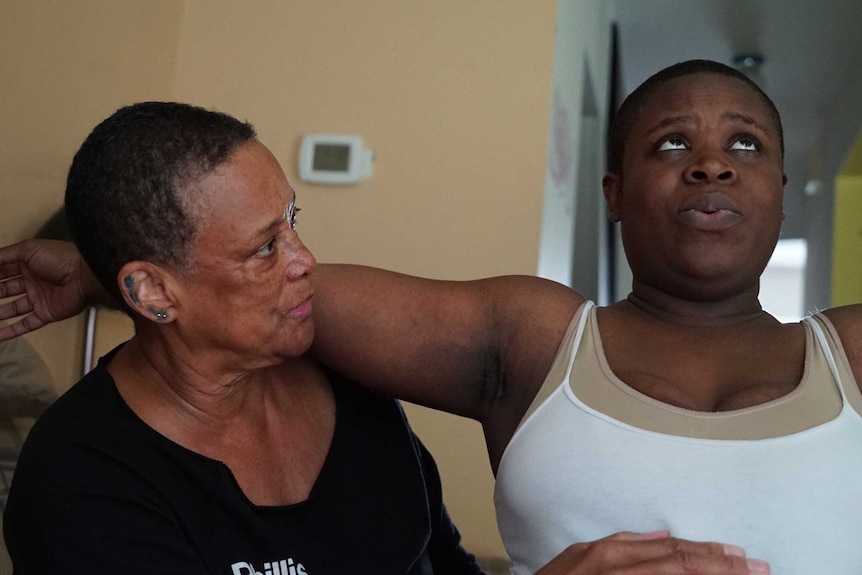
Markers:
<point>161,315</point>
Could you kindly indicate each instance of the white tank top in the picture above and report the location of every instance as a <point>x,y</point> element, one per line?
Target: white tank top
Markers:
<point>791,497</point>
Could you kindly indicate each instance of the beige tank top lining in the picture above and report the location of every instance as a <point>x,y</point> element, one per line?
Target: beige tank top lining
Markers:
<point>815,400</point>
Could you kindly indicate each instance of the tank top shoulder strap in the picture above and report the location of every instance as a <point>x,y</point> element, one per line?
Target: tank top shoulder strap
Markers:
<point>561,368</point>
<point>833,351</point>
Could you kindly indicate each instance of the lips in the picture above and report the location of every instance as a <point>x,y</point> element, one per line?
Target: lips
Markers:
<point>709,212</point>
<point>303,309</point>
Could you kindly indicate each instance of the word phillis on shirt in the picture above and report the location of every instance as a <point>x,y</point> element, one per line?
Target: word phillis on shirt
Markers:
<point>283,567</point>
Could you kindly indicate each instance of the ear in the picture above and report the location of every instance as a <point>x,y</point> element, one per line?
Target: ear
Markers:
<point>612,187</point>
<point>147,289</point>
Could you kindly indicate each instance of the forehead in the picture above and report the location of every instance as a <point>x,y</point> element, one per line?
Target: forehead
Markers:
<point>700,94</point>
<point>250,176</point>
<point>242,198</point>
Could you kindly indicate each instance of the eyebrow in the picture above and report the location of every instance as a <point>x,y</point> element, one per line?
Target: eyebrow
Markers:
<point>671,121</point>
<point>276,223</point>
<point>732,117</point>
<point>726,117</point>
<point>290,204</point>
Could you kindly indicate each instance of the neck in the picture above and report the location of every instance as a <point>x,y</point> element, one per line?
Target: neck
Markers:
<point>740,308</point>
<point>149,377</point>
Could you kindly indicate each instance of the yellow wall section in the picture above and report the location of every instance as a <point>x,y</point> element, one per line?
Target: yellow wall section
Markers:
<point>847,241</point>
<point>847,230</point>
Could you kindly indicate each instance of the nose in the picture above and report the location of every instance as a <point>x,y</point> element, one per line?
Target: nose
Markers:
<point>300,262</point>
<point>709,167</point>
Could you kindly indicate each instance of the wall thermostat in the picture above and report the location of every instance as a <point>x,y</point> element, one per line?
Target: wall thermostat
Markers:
<point>334,159</point>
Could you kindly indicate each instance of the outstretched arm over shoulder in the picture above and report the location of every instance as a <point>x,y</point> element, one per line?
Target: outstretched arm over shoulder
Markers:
<point>467,347</point>
<point>479,348</point>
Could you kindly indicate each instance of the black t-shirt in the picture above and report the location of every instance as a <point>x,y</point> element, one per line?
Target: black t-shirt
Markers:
<point>99,491</point>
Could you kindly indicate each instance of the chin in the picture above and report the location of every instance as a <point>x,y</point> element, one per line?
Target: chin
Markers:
<point>298,344</point>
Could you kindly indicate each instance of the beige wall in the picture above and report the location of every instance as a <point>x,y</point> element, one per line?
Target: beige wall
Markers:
<point>65,66</point>
<point>453,97</point>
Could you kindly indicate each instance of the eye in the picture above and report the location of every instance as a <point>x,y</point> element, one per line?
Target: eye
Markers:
<point>292,217</point>
<point>267,248</point>
<point>672,142</point>
<point>290,211</point>
<point>745,143</point>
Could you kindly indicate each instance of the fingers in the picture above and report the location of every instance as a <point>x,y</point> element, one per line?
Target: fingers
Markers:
<point>15,308</point>
<point>629,546</point>
<point>12,287</point>
<point>672,556</point>
<point>30,323</point>
<point>9,270</point>
<point>632,536</point>
<point>653,553</point>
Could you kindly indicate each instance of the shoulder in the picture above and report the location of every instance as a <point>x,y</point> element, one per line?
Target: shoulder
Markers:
<point>848,325</point>
<point>88,436</point>
<point>531,315</point>
<point>515,288</point>
<point>73,439</point>
<point>360,408</point>
<point>79,407</point>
